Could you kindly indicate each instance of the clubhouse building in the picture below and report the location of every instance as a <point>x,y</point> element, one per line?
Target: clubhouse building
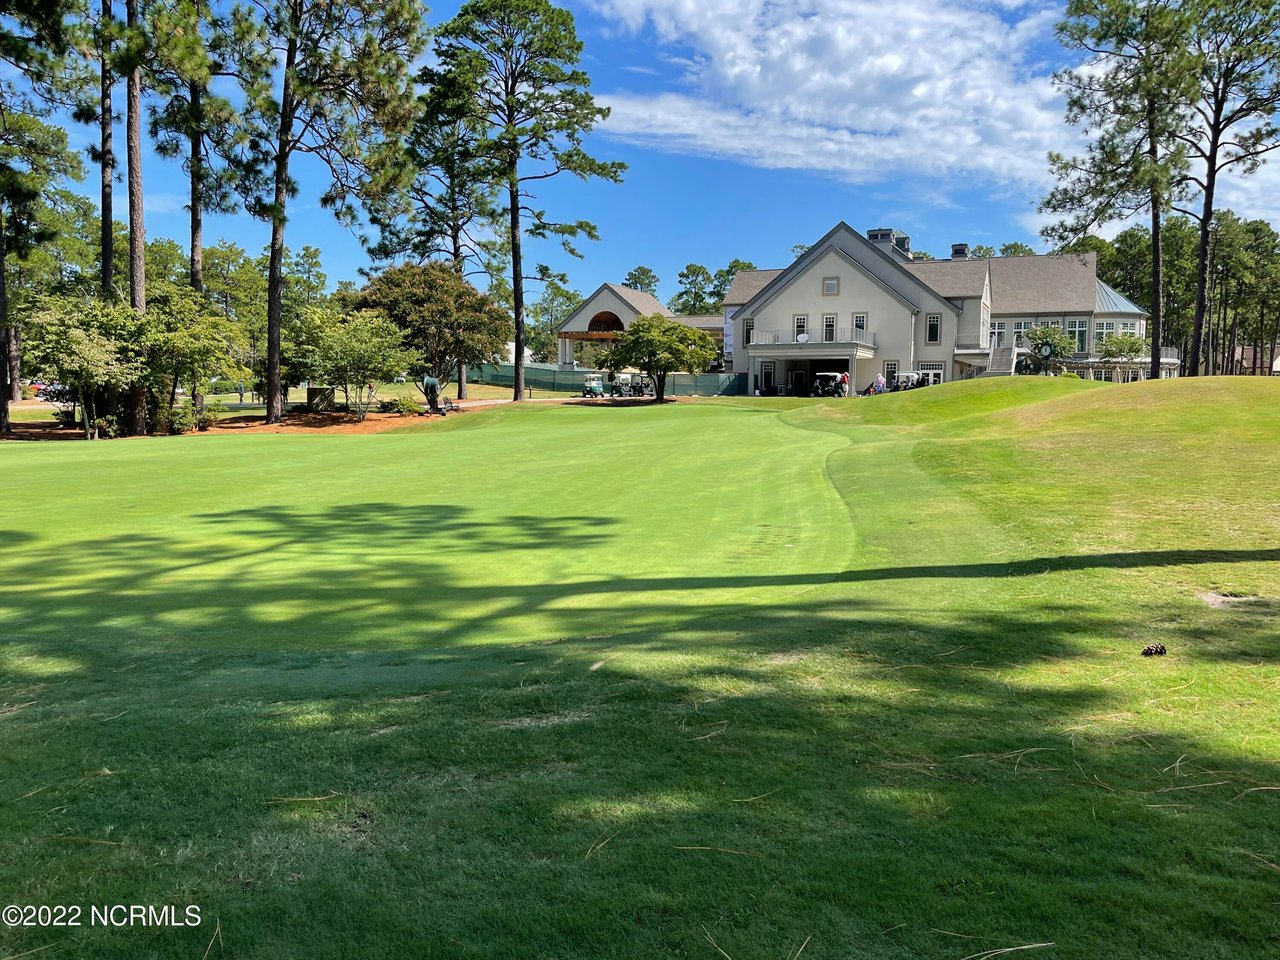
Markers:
<point>866,305</point>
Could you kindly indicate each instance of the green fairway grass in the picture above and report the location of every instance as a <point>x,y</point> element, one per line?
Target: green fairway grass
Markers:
<point>737,677</point>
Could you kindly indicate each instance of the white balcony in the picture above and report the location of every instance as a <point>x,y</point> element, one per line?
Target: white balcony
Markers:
<point>819,338</point>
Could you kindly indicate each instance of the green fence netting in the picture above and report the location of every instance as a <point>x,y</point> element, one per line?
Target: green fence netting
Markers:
<point>541,377</point>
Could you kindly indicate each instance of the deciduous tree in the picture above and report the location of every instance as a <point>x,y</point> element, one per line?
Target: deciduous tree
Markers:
<point>550,309</point>
<point>446,321</point>
<point>358,353</point>
<point>661,346</point>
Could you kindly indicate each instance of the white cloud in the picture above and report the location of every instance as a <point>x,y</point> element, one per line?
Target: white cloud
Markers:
<point>161,203</point>
<point>948,92</point>
<point>866,90</point>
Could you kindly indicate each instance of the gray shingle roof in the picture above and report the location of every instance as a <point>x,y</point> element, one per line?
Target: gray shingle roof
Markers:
<point>703,320</point>
<point>747,284</point>
<point>1111,300</point>
<point>1057,283</point>
<point>645,303</point>
<point>952,278</point>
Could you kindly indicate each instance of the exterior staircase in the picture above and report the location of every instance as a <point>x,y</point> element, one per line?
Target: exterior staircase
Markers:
<point>1001,363</point>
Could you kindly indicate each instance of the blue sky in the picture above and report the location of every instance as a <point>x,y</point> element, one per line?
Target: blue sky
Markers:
<point>751,125</point>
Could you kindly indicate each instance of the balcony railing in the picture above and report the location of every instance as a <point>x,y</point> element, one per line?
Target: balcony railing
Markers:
<point>839,335</point>
<point>971,343</point>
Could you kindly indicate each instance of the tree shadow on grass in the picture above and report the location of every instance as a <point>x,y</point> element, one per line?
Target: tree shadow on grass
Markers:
<point>390,579</point>
<point>887,780</point>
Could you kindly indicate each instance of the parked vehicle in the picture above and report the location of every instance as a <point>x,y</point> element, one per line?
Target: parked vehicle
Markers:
<point>910,380</point>
<point>631,385</point>
<point>593,385</point>
<point>827,385</point>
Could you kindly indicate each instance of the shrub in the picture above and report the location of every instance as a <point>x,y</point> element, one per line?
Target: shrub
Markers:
<point>181,418</point>
<point>210,415</point>
<point>1071,376</point>
<point>405,406</point>
<point>27,392</point>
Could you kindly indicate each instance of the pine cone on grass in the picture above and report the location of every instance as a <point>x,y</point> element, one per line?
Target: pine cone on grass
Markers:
<point>1153,650</point>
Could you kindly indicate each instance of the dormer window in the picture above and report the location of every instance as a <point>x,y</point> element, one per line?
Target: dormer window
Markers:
<point>831,286</point>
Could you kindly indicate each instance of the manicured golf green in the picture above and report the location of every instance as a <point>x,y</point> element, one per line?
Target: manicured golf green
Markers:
<point>738,677</point>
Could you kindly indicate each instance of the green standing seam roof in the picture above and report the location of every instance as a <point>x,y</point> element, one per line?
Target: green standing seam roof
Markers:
<point>1111,300</point>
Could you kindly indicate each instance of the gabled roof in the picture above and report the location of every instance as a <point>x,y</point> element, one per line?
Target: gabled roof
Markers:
<point>746,284</point>
<point>642,302</point>
<point>639,301</point>
<point>702,320</point>
<point>1111,300</point>
<point>954,279</point>
<point>878,265</point>
<point>1056,283</point>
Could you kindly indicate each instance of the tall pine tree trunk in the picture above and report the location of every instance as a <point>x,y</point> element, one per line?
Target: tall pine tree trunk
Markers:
<point>6,341</point>
<point>13,360</point>
<point>459,264</point>
<point>106,160</point>
<point>517,277</point>
<point>1206,247</point>
<point>1232,367</point>
<point>196,172</point>
<point>275,270</point>
<point>136,397</point>
<point>1157,249</point>
<point>133,144</point>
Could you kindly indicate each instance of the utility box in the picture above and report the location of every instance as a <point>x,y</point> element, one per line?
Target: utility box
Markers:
<point>320,399</point>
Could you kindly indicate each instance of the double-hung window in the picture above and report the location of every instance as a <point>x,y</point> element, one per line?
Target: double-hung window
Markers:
<point>859,321</point>
<point>933,328</point>
<point>829,328</point>
<point>802,327</point>
<point>748,330</point>
<point>1078,330</point>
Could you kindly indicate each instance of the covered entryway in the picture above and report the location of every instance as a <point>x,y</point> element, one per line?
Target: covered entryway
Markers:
<point>606,321</point>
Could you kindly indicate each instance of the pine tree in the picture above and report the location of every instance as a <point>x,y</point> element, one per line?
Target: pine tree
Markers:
<point>33,159</point>
<point>338,89</point>
<point>518,61</point>
<point>1236,44</point>
<point>1128,90</point>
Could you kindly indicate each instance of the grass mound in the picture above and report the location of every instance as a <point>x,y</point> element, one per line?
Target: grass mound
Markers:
<point>966,398</point>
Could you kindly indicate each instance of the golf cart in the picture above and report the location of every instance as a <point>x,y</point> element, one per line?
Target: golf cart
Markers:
<point>827,385</point>
<point>593,385</point>
<point>631,385</point>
